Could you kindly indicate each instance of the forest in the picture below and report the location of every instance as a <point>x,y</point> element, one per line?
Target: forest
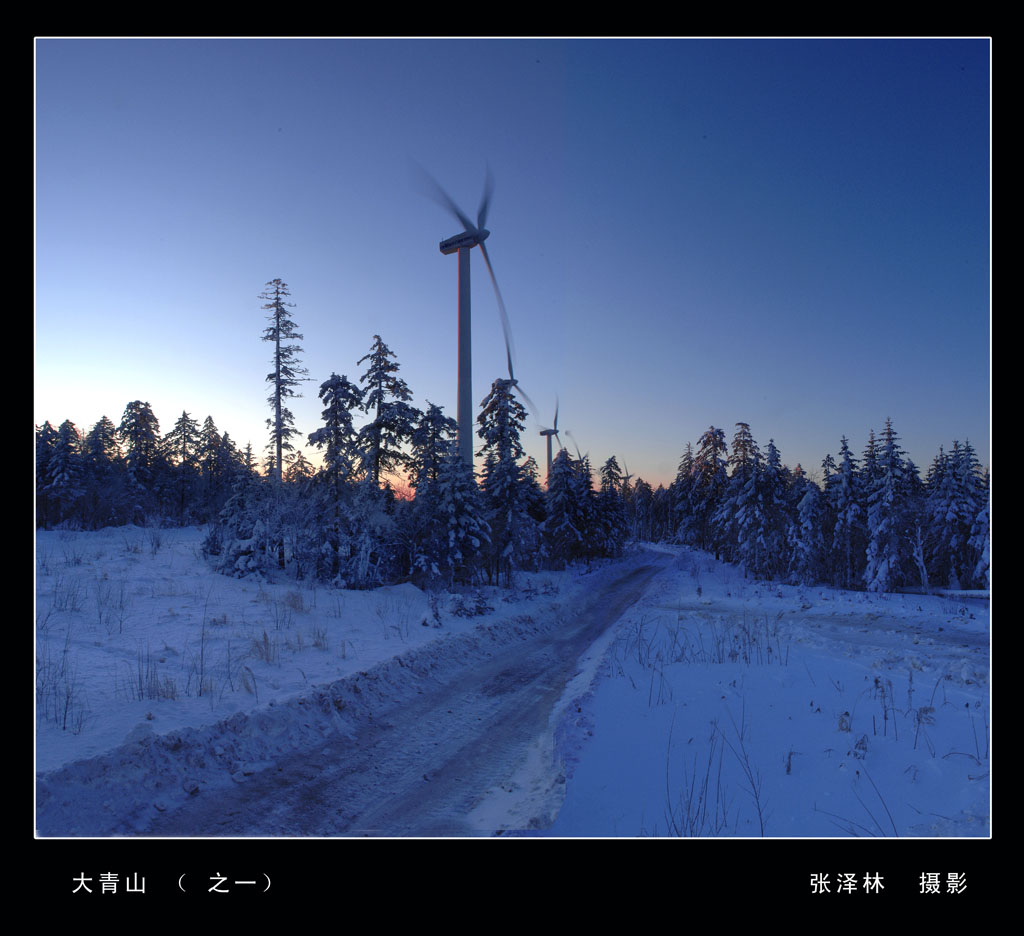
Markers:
<point>392,502</point>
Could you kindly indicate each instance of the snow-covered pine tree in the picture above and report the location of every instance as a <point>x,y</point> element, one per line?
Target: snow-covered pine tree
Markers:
<point>103,469</point>
<point>454,531</point>
<point>808,549</point>
<point>642,504</point>
<point>971,497</point>
<point>738,511</point>
<point>392,419</point>
<point>561,528</point>
<point>514,533</point>
<point>64,481</point>
<point>100,446</point>
<point>180,451</point>
<point>299,470</point>
<point>217,462</point>
<point>237,541</point>
<point>661,514</point>
<point>46,436</point>
<point>327,536</point>
<point>337,438</point>
<point>611,515</point>
<point>849,533</point>
<point>369,529</point>
<point>139,435</point>
<point>774,479</point>
<point>979,548</point>
<point>682,492</point>
<point>709,482</point>
<point>287,373</point>
<point>433,440</point>
<point>889,549</point>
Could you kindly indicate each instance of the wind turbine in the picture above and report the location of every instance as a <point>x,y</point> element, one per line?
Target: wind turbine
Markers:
<point>549,433</point>
<point>474,235</point>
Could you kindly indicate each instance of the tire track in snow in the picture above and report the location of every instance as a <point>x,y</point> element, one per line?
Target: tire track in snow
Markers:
<point>420,765</point>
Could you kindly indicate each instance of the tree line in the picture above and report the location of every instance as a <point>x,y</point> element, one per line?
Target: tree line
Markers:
<point>872,523</point>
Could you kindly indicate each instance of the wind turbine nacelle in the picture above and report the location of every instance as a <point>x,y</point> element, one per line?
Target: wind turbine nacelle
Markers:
<point>466,239</point>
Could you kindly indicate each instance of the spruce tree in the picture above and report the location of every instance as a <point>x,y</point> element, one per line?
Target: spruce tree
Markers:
<point>738,509</point>
<point>100,447</point>
<point>180,449</point>
<point>64,481</point>
<point>709,482</point>
<point>392,419</point>
<point>562,527</point>
<point>808,533</point>
<point>682,493</point>
<point>849,533</point>
<point>453,531</point>
<point>889,550</point>
<point>506,485</point>
<point>139,435</point>
<point>103,467</point>
<point>610,509</point>
<point>46,437</point>
<point>286,375</point>
<point>432,440</point>
<point>337,438</point>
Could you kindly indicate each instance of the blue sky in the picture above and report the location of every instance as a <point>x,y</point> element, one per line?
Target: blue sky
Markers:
<point>789,233</point>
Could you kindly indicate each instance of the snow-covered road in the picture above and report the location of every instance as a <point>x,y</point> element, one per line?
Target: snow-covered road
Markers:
<point>424,764</point>
<point>452,738</point>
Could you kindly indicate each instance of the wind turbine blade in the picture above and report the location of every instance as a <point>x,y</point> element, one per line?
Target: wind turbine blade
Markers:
<point>485,200</point>
<point>433,190</point>
<point>530,405</point>
<point>555,426</point>
<point>501,311</point>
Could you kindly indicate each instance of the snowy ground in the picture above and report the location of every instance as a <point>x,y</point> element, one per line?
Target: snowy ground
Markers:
<point>716,707</point>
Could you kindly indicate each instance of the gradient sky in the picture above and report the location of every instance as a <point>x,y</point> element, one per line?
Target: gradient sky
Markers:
<point>789,233</point>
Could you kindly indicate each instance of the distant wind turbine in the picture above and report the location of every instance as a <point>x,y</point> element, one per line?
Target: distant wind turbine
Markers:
<point>553,431</point>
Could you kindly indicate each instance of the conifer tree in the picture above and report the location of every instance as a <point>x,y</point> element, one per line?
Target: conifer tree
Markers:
<point>337,438</point>
<point>808,534</point>
<point>682,492</point>
<point>709,482</point>
<point>392,419</point>
<point>139,435</point>
<point>432,440</point>
<point>299,470</point>
<point>849,534</point>
<point>286,375</point>
<point>889,545</point>
<point>103,468</point>
<point>100,447</point>
<point>180,449</point>
<point>46,437</point>
<point>453,531</point>
<point>610,509</point>
<point>562,526</point>
<point>513,530</point>
<point>979,549</point>
<point>65,470</point>
<point>739,510</point>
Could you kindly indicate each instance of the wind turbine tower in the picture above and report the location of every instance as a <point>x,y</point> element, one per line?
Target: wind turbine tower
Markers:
<point>474,235</point>
<point>549,433</point>
<point>462,244</point>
